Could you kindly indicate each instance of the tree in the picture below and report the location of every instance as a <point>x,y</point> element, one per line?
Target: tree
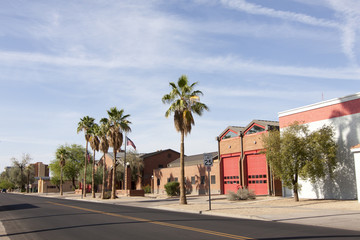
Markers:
<point>6,184</point>
<point>21,167</point>
<point>104,147</point>
<point>5,180</point>
<point>85,125</point>
<point>136,165</point>
<point>118,123</point>
<point>94,143</point>
<point>30,174</point>
<point>73,164</point>
<point>297,152</point>
<point>184,101</point>
<point>62,155</point>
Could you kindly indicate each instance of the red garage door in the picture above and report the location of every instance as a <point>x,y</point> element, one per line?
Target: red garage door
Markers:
<point>257,174</point>
<point>231,174</point>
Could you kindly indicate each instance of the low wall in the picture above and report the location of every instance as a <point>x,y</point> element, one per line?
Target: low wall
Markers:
<point>130,193</point>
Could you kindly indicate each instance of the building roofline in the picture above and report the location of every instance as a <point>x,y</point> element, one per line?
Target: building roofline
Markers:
<point>320,104</point>
<point>157,152</point>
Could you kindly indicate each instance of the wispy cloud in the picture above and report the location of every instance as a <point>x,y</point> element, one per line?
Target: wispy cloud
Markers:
<point>348,11</point>
<point>206,64</point>
<point>251,8</point>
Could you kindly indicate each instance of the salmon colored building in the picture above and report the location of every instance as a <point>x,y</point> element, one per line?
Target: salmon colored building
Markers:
<point>196,175</point>
<point>242,159</point>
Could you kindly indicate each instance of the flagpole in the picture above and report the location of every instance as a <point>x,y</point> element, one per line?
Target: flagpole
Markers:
<point>125,161</point>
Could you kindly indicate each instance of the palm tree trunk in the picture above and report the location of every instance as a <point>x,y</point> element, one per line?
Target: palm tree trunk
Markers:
<point>93,178</point>
<point>103,179</point>
<point>113,187</point>
<point>84,184</point>
<point>61,180</point>
<point>182,171</point>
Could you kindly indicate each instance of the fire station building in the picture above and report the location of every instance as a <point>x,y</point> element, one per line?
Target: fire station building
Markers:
<point>243,160</point>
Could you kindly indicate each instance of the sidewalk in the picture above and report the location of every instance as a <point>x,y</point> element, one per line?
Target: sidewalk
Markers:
<point>343,214</point>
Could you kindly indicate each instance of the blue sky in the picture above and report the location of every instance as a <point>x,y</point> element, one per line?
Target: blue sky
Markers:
<point>62,60</point>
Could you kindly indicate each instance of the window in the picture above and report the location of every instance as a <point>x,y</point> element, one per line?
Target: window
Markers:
<point>213,179</point>
<point>176,179</point>
<point>192,180</point>
<point>202,179</point>
<point>169,180</point>
<point>230,134</point>
<point>255,129</point>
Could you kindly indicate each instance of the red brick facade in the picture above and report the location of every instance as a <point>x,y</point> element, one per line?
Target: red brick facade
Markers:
<point>159,159</point>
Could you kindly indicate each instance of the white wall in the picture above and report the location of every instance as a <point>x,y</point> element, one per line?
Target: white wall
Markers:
<point>343,186</point>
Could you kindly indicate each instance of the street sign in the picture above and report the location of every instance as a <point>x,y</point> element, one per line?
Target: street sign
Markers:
<point>208,159</point>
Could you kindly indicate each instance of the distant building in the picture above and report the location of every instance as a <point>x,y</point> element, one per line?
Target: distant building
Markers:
<point>109,162</point>
<point>156,160</point>
<point>40,170</point>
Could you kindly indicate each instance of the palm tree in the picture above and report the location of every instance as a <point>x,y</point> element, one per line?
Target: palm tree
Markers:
<point>184,101</point>
<point>94,144</point>
<point>61,155</point>
<point>118,124</point>
<point>104,147</point>
<point>85,125</point>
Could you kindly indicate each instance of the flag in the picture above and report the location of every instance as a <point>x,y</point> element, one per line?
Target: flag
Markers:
<point>131,143</point>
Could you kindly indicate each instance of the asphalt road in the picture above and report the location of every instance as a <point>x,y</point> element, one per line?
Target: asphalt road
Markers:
<point>31,217</point>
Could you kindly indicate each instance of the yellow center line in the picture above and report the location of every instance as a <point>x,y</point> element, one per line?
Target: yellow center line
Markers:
<point>157,222</point>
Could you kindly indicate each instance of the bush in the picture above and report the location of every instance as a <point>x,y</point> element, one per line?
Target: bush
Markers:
<point>107,195</point>
<point>241,194</point>
<point>147,188</point>
<point>172,188</point>
<point>231,196</point>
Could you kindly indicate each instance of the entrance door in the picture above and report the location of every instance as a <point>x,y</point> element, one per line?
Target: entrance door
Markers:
<point>231,174</point>
<point>257,174</point>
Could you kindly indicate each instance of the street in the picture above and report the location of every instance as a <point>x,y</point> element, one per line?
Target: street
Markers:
<point>32,217</point>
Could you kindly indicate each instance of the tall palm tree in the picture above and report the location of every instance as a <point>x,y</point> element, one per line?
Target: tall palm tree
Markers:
<point>118,124</point>
<point>85,125</point>
<point>104,147</point>
<point>94,144</point>
<point>184,101</point>
<point>62,155</point>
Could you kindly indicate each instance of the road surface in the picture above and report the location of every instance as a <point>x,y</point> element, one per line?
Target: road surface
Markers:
<point>32,217</point>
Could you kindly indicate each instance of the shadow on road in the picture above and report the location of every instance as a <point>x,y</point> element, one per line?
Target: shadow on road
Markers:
<point>16,207</point>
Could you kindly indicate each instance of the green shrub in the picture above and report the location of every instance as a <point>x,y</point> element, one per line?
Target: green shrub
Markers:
<point>147,188</point>
<point>172,188</point>
<point>241,194</point>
